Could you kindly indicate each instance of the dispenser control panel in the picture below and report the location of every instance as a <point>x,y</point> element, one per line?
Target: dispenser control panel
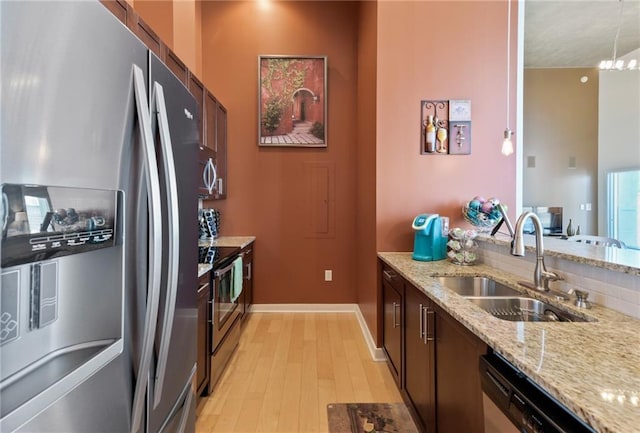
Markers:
<point>41,222</point>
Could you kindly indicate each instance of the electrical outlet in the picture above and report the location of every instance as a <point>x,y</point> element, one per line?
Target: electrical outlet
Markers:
<point>328,275</point>
<point>588,206</point>
<point>581,206</point>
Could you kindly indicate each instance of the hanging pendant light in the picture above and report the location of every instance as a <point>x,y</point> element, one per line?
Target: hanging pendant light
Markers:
<point>614,63</point>
<point>507,145</point>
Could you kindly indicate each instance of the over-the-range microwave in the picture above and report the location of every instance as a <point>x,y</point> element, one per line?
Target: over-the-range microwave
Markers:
<point>208,183</point>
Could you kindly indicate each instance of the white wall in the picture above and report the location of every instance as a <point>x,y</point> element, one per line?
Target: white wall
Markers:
<point>618,128</point>
<point>560,115</point>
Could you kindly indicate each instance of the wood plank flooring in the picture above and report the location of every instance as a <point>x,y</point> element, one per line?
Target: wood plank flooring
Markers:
<point>286,370</point>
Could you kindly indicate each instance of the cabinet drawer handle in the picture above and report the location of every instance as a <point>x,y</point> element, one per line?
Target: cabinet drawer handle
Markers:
<point>421,331</point>
<point>248,276</point>
<point>203,288</point>
<point>395,316</point>
<point>389,275</point>
<point>429,323</point>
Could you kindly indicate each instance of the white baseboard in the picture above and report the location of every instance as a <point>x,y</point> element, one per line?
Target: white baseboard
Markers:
<point>303,308</point>
<point>377,354</point>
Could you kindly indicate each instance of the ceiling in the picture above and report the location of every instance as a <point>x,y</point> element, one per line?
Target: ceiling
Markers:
<point>578,33</point>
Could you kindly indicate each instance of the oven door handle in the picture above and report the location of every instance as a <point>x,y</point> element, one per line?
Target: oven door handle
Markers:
<point>220,272</point>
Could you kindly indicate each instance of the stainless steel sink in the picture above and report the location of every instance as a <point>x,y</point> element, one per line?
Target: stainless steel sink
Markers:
<point>522,309</point>
<point>477,286</point>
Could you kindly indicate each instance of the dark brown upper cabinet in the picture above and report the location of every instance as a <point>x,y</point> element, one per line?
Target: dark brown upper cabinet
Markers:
<point>119,8</point>
<point>212,115</point>
<point>197,90</point>
<point>145,33</point>
<point>177,66</point>
<point>221,150</point>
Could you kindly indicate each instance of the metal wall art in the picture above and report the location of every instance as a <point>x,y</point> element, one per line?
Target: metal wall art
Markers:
<point>445,127</point>
<point>292,101</point>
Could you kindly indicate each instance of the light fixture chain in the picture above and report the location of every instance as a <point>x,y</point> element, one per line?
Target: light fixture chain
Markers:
<point>508,58</point>
<point>615,41</point>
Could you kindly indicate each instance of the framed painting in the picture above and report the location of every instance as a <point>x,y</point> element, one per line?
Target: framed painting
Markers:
<point>292,101</point>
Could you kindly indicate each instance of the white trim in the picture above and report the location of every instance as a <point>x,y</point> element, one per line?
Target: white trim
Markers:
<point>303,308</point>
<point>377,354</point>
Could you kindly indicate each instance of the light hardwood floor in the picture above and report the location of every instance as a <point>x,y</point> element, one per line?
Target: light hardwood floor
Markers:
<point>286,370</point>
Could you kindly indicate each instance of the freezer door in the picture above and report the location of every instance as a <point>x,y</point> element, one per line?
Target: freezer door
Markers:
<point>66,72</point>
<point>174,116</point>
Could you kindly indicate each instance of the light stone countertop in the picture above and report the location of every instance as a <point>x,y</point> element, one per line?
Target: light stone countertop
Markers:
<point>616,259</point>
<point>228,241</point>
<point>203,268</point>
<point>593,368</point>
<point>222,241</point>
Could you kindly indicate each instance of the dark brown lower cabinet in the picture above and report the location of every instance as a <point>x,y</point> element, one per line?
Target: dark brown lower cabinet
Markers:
<point>392,292</point>
<point>202,360</point>
<point>419,367</point>
<point>247,283</point>
<point>458,389</point>
<point>433,358</point>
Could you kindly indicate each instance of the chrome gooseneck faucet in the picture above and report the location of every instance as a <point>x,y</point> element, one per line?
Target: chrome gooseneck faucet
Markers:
<point>541,276</point>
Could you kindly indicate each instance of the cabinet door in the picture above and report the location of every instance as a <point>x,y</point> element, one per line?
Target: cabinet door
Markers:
<point>197,90</point>
<point>176,66</point>
<point>210,107</point>
<point>202,359</point>
<point>458,389</point>
<point>247,285</point>
<point>119,8</point>
<point>419,368</point>
<point>144,32</point>
<point>392,323</point>
<point>221,150</point>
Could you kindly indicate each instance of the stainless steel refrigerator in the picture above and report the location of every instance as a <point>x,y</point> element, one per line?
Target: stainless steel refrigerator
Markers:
<point>98,146</point>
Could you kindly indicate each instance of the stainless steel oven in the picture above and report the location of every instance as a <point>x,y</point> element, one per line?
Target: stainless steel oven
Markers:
<point>227,288</point>
<point>225,307</point>
<point>513,403</point>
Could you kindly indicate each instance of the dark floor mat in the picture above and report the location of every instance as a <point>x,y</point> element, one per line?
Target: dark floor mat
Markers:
<point>370,418</point>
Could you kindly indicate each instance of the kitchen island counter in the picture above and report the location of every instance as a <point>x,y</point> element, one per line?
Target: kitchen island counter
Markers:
<point>592,367</point>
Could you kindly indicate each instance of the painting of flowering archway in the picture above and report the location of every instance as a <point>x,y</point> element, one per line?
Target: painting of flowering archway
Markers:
<point>292,101</point>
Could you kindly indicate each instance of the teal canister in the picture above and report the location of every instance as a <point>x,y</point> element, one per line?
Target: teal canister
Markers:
<point>430,242</point>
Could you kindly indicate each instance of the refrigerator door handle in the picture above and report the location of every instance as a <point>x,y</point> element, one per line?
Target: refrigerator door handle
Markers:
<point>155,247</point>
<point>5,210</point>
<point>158,105</point>
<point>182,426</point>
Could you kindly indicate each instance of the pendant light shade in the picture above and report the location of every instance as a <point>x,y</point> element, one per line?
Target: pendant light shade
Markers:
<point>507,145</point>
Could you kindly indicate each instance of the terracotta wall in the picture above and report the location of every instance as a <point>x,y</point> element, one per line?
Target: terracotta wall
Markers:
<point>384,57</point>
<point>273,193</point>
<point>440,50</point>
<point>178,23</point>
<point>159,15</point>
<point>366,258</point>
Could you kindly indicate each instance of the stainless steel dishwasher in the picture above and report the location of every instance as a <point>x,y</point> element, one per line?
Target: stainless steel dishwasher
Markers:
<point>513,403</point>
